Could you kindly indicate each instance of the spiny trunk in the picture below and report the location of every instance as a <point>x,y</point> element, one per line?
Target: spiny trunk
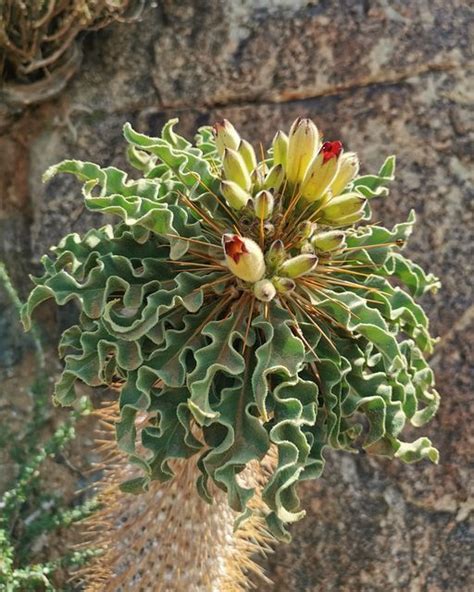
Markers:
<point>169,539</point>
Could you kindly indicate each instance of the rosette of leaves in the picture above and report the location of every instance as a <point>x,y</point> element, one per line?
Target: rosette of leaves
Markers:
<point>242,303</point>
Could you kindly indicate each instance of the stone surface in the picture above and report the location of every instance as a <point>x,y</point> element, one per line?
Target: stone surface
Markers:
<point>384,77</point>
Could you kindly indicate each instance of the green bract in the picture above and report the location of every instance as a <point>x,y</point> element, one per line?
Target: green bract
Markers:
<point>234,323</point>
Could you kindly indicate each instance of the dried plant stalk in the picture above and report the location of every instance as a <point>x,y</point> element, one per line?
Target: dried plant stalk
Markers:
<point>39,49</point>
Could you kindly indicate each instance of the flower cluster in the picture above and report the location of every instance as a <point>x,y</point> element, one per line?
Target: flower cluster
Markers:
<point>284,211</point>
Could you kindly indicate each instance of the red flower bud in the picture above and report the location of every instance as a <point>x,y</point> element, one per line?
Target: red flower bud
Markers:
<point>244,257</point>
<point>331,150</point>
<point>234,247</point>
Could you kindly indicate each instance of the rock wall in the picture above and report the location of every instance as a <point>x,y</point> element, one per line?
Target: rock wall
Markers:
<point>384,77</point>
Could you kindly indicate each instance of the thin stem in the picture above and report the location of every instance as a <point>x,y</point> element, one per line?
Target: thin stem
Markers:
<point>200,213</point>
<point>195,241</point>
<point>224,205</point>
<point>298,328</point>
<point>247,330</point>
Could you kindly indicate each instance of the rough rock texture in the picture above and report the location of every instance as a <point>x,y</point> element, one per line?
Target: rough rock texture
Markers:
<point>384,77</point>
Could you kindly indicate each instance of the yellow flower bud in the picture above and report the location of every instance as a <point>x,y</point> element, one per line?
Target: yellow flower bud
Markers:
<point>283,285</point>
<point>264,290</point>
<point>276,254</point>
<point>330,240</point>
<point>346,220</point>
<point>343,210</point>
<point>274,179</point>
<point>235,169</point>
<point>234,195</point>
<point>303,144</point>
<point>343,205</point>
<point>305,230</point>
<point>321,172</point>
<point>348,169</point>
<point>263,204</point>
<point>299,265</point>
<point>258,176</point>
<point>247,152</point>
<point>280,148</point>
<point>244,257</point>
<point>226,136</point>
<point>307,247</point>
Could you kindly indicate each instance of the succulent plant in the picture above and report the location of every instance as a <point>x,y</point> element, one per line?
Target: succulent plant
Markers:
<point>243,302</point>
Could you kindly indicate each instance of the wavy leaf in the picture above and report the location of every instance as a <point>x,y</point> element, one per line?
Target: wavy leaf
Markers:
<point>188,164</point>
<point>281,352</point>
<point>371,186</point>
<point>295,407</point>
<point>220,355</point>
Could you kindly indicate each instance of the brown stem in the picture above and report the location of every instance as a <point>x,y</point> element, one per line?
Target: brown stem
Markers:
<point>169,539</point>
